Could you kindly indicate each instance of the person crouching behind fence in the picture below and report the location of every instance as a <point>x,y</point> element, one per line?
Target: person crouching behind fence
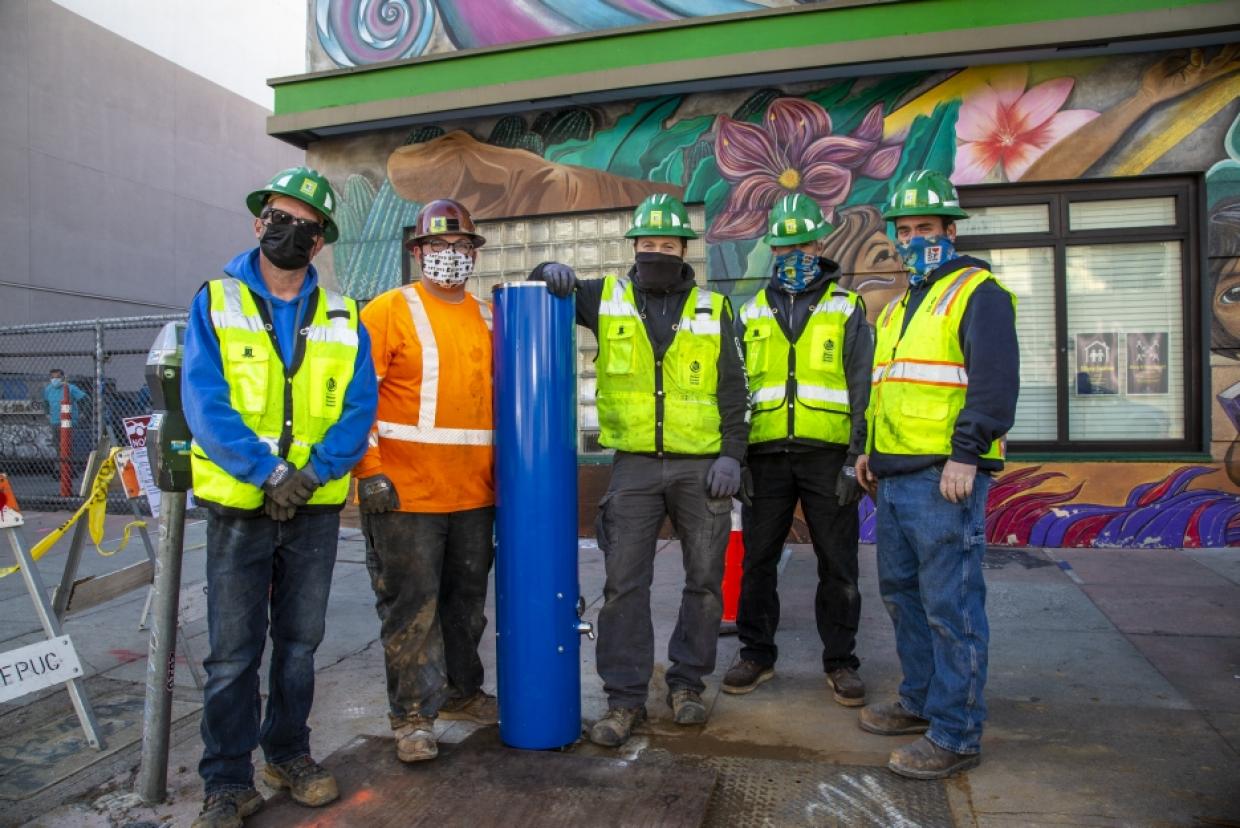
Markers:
<point>279,392</point>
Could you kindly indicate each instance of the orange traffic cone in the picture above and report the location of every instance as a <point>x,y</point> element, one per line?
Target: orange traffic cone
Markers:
<point>732,572</point>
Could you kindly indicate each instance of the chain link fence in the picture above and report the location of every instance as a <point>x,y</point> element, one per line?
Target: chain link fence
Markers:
<point>103,362</point>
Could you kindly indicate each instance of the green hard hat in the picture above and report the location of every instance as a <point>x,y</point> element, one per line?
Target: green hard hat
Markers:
<point>795,219</point>
<point>661,215</point>
<point>303,184</point>
<point>925,193</point>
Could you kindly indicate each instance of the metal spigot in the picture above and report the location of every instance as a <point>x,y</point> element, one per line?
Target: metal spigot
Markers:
<point>587,629</point>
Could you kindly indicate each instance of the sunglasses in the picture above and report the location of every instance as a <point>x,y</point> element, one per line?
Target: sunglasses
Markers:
<point>273,216</point>
<point>439,246</point>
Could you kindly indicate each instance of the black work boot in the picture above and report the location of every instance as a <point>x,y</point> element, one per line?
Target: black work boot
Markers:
<point>226,809</point>
<point>924,759</point>
<point>746,676</point>
<point>308,782</point>
<point>847,687</point>
<point>687,707</point>
<point>891,719</point>
<point>614,729</point>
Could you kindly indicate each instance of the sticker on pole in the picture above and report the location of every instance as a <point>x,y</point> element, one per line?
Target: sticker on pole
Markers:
<point>39,665</point>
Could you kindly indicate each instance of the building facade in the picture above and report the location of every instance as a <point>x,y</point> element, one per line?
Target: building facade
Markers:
<point>1097,147</point>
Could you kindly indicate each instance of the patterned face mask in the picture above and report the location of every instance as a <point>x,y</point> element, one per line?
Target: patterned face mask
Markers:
<point>796,269</point>
<point>447,268</point>
<point>923,254</point>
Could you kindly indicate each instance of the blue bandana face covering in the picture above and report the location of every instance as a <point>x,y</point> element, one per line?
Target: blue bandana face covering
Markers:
<point>796,270</point>
<point>921,255</point>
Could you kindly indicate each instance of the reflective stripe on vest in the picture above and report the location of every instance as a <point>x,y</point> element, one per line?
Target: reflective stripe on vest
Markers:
<point>633,386</point>
<point>288,414</point>
<point>425,430</point>
<point>919,379</point>
<point>820,410</point>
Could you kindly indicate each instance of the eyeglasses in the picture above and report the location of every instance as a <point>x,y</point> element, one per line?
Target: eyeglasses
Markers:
<point>439,246</point>
<point>273,216</point>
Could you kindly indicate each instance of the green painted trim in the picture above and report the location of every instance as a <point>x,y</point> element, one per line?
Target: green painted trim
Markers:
<point>709,38</point>
<point>1110,457</point>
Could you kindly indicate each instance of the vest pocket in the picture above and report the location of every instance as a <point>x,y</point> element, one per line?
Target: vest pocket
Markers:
<point>924,408</point>
<point>826,348</point>
<point>757,348</point>
<point>620,347</point>
<point>247,372</point>
<point>328,379</point>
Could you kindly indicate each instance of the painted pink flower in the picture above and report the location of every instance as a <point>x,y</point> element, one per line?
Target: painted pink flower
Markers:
<point>793,151</point>
<point>1004,129</point>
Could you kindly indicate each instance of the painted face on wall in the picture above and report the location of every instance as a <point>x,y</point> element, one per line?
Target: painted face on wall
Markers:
<point>867,258</point>
<point>1227,305</point>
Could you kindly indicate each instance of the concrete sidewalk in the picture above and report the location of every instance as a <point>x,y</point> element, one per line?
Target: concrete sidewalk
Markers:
<point>1114,689</point>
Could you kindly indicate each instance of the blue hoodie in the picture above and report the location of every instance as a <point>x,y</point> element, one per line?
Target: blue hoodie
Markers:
<point>217,426</point>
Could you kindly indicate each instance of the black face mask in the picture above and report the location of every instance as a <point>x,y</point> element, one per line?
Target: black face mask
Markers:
<point>287,246</point>
<point>658,272</point>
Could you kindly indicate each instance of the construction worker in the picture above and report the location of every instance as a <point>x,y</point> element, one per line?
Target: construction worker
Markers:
<point>426,485</point>
<point>672,402</point>
<point>808,353</point>
<point>946,378</point>
<point>279,393</point>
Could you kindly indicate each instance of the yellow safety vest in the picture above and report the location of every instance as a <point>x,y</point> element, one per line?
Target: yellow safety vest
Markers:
<point>658,405</point>
<point>919,381</point>
<point>288,413</point>
<point>811,372</point>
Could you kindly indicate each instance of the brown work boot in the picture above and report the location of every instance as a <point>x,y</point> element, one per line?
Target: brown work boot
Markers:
<point>847,687</point>
<point>480,708</point>
<point>924,759</point>
<point>226,809</point>
<point>891,719</point>
<point>687,707</point>
<point>415,739</point>
<point>746,676</point>
<point>308,782</point>
<point>614,729</point>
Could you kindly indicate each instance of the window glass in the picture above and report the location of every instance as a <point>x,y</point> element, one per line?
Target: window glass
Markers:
<point>1121,212</point>
<point>1015,218</point>
<point>594,244</point>
<point>1029,272</point>
<point>1125,341</point>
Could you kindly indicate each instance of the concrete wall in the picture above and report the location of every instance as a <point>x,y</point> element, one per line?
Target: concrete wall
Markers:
<point>122,175</point>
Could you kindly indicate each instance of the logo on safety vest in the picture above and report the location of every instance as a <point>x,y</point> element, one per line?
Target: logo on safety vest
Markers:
<point>656,218</point>
<point>248,353</point>
<point>309,187</point>
<point>828,350</point>
<point>695,373</point>
<point>330,400</point>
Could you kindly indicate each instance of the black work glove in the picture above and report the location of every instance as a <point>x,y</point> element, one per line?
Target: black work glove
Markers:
<point>287,488</point>
<point>377,494</point>
<point>560,278</point>
<point>847,489</point>
<point>723,479</point>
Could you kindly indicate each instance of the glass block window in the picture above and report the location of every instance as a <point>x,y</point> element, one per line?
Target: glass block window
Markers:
<point>594,244</point>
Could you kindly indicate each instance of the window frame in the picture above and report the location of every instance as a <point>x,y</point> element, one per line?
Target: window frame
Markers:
<point>1188,191</point>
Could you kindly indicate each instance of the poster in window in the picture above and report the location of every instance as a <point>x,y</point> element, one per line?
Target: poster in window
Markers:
<point>1097,364</point>
<point>1147,363</point>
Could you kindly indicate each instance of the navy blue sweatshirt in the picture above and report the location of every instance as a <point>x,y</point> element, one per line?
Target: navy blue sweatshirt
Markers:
<point>992,361</point>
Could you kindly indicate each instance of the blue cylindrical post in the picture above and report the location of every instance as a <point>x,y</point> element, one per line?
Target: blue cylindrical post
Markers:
<point>538,643</point>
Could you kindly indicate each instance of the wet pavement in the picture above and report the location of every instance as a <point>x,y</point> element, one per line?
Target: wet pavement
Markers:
<point>1114,697</point>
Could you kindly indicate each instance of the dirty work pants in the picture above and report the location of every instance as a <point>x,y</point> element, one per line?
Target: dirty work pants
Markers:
<point>429,573</point>
<point>256,569</point>
<point>780,479</point>
<point>930,576</point>
<point>642,491</point>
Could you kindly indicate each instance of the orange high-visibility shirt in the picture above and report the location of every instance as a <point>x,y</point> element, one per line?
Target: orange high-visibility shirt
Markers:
<point>434,432</point>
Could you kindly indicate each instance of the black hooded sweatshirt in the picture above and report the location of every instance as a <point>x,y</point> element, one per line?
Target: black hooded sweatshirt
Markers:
<point>661,310</point>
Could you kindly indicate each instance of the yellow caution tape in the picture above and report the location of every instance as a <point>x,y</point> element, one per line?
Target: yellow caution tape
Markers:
<point>96,508</point>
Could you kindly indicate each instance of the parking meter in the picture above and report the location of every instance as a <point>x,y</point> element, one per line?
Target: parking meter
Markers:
<point>168,437</point>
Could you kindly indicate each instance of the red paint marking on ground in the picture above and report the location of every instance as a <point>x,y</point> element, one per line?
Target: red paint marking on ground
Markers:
<point>125,656</point>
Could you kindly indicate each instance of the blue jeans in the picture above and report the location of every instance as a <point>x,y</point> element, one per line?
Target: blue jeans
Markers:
<point>930,576</point>
<point>257,567</point>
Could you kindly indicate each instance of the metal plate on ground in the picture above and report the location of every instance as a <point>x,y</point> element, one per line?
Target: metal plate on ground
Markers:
<point>479,782</point>
<point>767,792</point>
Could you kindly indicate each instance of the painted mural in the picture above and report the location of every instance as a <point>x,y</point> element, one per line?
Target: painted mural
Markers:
<point>358,32</point>
<point>845,143</point>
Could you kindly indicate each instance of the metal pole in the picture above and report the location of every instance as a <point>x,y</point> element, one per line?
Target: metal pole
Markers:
<point>161,662</point>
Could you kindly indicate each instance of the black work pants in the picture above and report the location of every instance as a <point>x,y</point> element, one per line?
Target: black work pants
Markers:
<point>429,573</point>
<point>642,491</point>
<point>780,479</point>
